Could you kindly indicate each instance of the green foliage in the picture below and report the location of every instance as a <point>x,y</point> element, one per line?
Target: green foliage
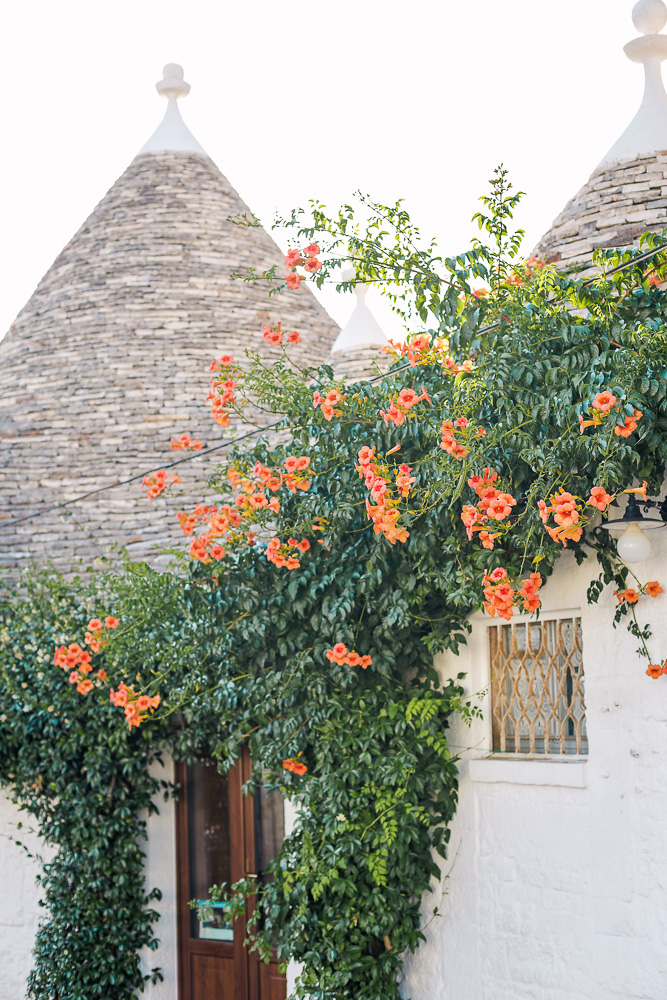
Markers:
<point>85,782</point>
<point>237,649</point>
<point>379,772</point>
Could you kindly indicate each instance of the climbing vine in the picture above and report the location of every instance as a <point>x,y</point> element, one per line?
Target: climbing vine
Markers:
<point>330,565</point>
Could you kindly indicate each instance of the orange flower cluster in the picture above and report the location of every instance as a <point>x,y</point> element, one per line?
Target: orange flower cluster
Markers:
<point>225,522</point>
<point>328,402</point>
<point>284,553</point>
<point>223,383</point>
<point>465,430</point>
<point>186,443</point>
<point>157,484</point>
<point>493,505</point>
<point>78,660</point>
<point>274,335</point>
<point>94,636</point>
<point>423,349</point>
<point>219,520</point>
<point>384,513</point>
<point>69,657</point>
<point>599,498</point>
<point>401,406</point>
<point>340,654</point>
<point>566,511</point>
<point>136,706</point>
<point>252,502</point>
<point>603,404</point>
<point>502,595</point>
<point>293,466</point>
<point>306,258</point>
<point>295,765</point>
<point>569,513</point>
<point>630,424</point>
<point>631,596</point>
<point>295,477</point>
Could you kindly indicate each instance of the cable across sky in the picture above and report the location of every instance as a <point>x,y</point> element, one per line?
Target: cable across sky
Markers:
<point>647,255</point>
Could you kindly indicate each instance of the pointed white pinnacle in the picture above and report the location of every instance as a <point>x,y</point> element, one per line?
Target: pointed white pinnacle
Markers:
<point>647,132</point>
<point>172,133</point>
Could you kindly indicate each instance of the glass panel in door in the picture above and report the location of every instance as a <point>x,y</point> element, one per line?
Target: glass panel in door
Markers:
<point>209,848</point>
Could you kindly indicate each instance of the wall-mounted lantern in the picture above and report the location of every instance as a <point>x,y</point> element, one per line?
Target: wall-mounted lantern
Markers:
<point>634,546</point>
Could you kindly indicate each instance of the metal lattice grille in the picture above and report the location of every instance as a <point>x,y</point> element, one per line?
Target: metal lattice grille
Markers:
<point>537,687</point>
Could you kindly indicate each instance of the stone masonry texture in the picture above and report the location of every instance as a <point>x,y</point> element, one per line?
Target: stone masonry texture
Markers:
<point>617,204</point>
<point>110,357</point>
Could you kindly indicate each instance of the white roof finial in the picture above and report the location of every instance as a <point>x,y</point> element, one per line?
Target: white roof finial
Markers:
<point>647,132</point>
<point>172,84</point>
<point>649,17</point>
<point>362,329</point>
<point>172,133</point>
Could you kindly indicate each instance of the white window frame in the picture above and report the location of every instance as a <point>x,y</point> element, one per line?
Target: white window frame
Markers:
<point>485,764</point>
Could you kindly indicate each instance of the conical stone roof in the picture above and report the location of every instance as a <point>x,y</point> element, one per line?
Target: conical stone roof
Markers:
<point>110,356</point>
<point>626,194</point>
<point>617,204</point>
<point>357,351</point>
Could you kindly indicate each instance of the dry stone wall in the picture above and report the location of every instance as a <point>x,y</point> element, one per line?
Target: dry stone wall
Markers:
<point>110,357</point>
<point>617,204</point>
<point>362,363</point>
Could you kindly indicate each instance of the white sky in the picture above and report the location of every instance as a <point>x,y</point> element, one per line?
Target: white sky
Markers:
<point>309,99</point>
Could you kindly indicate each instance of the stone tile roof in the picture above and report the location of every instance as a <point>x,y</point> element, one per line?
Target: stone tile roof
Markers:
<point>359,364</point>
<point>110,356</point>
<point>626,195</point>
<point>618,203</point>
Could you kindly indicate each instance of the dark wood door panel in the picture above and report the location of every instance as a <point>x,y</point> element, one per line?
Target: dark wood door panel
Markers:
<point>212,977</point>
<point>222,836</point>
<point>273,985</point>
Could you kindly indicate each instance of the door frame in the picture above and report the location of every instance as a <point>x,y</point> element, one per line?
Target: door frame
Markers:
<point>245,984</point>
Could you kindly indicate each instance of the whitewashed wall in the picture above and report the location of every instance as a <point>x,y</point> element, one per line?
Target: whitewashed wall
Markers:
<point>19,896</point>
<point>161,872</point>
<point>556,883</point>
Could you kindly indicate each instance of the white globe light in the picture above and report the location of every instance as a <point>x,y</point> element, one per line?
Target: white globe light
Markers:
<point>648,16</point>
<point>633,546</point>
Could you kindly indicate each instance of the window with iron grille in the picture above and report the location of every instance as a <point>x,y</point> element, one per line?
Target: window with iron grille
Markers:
<point>537,687</point>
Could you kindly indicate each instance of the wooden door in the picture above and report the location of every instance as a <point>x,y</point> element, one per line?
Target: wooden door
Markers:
<point>221,837</point>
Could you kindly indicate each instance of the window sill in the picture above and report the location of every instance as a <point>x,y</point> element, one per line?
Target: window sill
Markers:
<point>516,770</point>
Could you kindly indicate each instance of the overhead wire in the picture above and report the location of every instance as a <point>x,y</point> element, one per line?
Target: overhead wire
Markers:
<point>259,430</point>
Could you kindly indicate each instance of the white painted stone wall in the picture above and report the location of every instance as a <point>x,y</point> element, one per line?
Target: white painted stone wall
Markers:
<point>19,898</point>
<point>555,886</point>
<point>19,895</point>
<point>161,872</point>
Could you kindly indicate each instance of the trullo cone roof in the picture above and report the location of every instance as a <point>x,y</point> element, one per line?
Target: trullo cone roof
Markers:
<point>626,195</point>
<point>110,356</point>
